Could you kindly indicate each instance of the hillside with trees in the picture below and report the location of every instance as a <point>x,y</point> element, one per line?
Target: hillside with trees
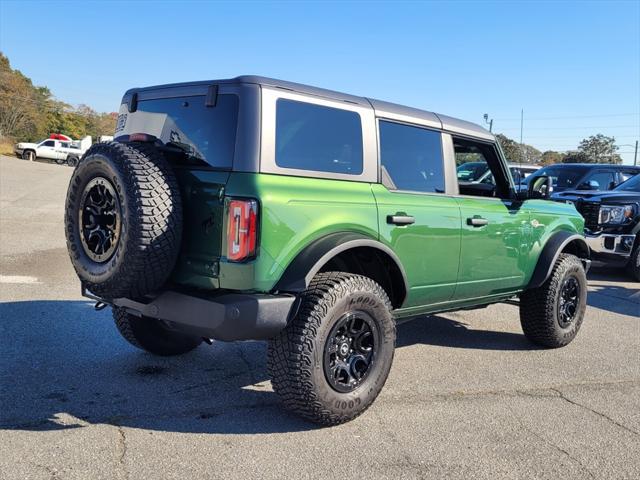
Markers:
<point>595,149</point>
<point>30,113</point>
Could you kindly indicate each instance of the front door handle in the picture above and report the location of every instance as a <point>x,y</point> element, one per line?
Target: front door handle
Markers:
<point>477,221</point>
<point>401,219</point>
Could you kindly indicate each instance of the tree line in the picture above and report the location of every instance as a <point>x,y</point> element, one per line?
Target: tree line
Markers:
<point>30,113</point>
<point>595,149</point>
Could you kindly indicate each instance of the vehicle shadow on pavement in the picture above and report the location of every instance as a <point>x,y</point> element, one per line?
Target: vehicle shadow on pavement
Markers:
<point>445,332</point>
<point>621,299</point>
<point>64,366</point>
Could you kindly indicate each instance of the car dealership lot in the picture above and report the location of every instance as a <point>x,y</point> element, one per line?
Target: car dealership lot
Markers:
<point>468,396</point>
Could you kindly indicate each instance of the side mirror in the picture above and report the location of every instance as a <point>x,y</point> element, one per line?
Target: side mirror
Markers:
<point>589,185</point>
<point>540,187</point>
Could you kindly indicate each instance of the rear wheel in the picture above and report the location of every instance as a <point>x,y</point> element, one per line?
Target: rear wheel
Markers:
<point>152,335</point>
<point>330,363</point>
<point>72,161</point>
<point>551,315</point>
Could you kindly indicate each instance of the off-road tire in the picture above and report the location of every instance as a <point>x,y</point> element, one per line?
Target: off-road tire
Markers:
<point>539,307</point>
<point>152,335</point>
<point>295,356</point>
<point>151,220</point>
<point>633,265</point>
<point>29,155</point>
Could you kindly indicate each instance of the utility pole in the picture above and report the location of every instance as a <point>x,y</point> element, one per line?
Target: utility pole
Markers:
<point>521,129</point>
<point>490,122</point>
<point>635,155</point>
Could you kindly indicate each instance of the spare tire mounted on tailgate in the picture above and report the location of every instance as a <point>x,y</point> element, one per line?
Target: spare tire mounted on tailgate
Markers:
<point>123,220</point>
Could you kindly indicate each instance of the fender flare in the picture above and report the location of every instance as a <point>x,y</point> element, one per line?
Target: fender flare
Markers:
<point>298,275</point>
<point>552,250</point>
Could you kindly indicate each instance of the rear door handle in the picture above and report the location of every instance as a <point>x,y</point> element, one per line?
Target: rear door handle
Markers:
<point>477,221</point>
<point>399,219</point>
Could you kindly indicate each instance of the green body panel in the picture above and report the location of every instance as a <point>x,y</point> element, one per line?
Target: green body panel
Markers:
<point>448,263</point>
<point>547,218</point>
<point>430,248</point>
<point>294,212</point>
<point>493,257</point>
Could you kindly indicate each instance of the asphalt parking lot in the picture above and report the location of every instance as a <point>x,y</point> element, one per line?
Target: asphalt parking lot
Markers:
<point>468,396</point>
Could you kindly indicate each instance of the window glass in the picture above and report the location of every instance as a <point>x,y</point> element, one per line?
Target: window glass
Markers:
<point>604,179</point>
<point>198,132</point>
<point>633,185</point>
<point>318,138</point>
<point>626,175</point>
<point>412,157</point>
<point>471,171</point>
<point>49,143</point>
<point>478,167</point>
<point>564,177</point>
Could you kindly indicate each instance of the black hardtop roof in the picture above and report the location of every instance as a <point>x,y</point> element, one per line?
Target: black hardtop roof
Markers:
<point>448,123</point>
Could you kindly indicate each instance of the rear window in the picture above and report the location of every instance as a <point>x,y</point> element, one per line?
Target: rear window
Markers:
<point>186,125</point>
<point>318,138</point>
<point>412,157</point>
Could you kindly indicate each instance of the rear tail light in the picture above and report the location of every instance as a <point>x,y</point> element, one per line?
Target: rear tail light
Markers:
<point>242,229</point>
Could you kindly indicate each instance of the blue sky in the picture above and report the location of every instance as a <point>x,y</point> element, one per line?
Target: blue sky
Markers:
<point>574,67</point>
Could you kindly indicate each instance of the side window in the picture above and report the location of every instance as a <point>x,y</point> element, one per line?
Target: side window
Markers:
<point>604,179</point>
<point>318,138</point>
<point>626,175</point>
<point>49,143</point>
<point>478,169</point>
<point>411,157</point>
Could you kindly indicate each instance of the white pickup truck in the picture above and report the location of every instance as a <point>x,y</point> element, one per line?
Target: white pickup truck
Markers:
<point>59,150</point>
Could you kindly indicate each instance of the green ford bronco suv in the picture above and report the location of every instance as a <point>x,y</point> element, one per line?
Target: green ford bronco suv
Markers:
<point>258,209</point>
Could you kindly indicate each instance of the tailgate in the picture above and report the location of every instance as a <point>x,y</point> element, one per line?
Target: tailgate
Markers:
<point>203,210</point>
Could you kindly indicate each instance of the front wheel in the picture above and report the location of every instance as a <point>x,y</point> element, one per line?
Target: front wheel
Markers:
<point>551,315</point>
<point>330,363</point>
<point>152,335</point>
<point>29,155</point>
<point>633,267</point>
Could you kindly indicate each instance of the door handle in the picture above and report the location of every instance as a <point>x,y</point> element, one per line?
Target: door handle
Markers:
<point>477,221</point>
<point>401,219</point>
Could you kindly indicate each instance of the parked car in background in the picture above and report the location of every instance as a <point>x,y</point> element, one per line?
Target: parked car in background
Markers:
<point>612,223</point>
<point>583,176</point>
<point>478,172</point>
<point>61,151</point>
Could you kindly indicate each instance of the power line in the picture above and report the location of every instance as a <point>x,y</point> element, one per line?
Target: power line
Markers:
<point>564,117</point>
<point>574,128</point>
<point>574,136</point>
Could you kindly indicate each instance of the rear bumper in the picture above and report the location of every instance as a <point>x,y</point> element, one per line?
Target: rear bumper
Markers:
<point>226,317</point>
<point>610,244</point>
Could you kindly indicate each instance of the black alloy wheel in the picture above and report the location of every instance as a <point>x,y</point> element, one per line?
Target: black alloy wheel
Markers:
<point>100,219</point>
<point>350,351</point>
<point>568,301</point>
